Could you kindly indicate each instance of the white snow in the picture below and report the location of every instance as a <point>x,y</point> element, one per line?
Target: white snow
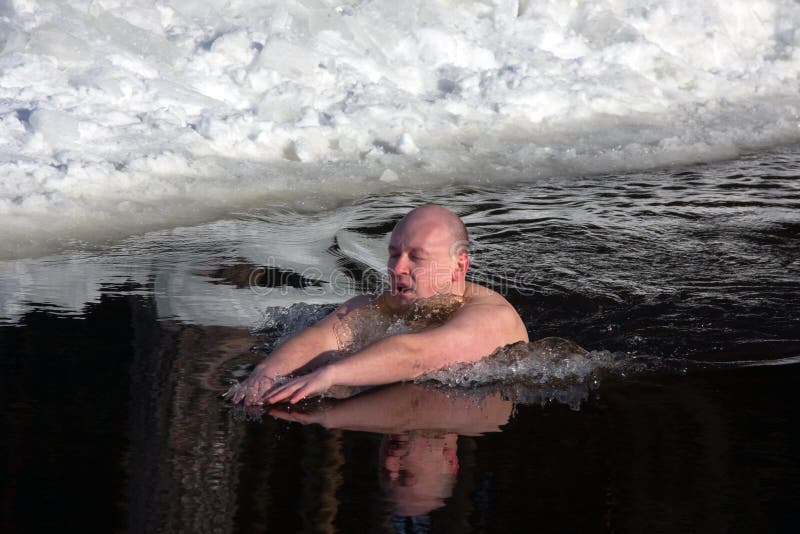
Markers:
<point>119,116</point>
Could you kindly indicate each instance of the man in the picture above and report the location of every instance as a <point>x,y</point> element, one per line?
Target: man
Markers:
<point>427,257</point>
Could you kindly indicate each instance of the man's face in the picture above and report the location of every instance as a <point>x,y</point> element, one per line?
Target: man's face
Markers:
<point>421,262</point>
<point>419,471</point>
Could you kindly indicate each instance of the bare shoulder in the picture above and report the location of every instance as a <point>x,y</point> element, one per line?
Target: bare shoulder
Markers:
<point>345,309</point>
<point>476,294</point>
<point>494,313</point>
<point>355,303</point>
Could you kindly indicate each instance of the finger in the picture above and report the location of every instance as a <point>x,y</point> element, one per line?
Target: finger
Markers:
<point>254,394</point>
<point>248,395</point>
<point>301,394</point>
<point>239,394</point>
<point>281,394</point>
<point>234,393</point>
<point>267,392</point>
<point>257,390</point>
<point>285,391</point>
<point>312,385</point>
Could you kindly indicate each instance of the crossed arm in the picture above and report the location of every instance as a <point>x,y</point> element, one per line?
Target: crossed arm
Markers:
<point>475,331</point>
<point>469,336</point>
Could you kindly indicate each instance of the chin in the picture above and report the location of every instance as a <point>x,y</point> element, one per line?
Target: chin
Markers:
<point>403,300</point>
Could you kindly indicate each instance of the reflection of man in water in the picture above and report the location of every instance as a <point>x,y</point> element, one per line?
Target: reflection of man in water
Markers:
<point>418,452</point>
<point>427,257</point>
<point>418,471</point>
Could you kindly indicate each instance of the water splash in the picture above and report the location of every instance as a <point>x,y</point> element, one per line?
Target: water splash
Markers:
<point>544,371</point>
<point>539,372</point>
<point>280,323</point>
<point>377,320</point>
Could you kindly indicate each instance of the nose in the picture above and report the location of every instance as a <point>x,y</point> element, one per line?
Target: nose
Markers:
<point>400,264</point>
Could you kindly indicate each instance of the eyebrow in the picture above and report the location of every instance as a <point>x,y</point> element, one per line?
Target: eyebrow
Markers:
<point>418,250</point>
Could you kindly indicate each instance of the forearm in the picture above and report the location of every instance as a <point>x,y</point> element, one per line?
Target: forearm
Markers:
<point>392,359</point>
<point>292,355</point>
<point>469,336</point>
<point>295,353</point>
<point>322,338</point>
<point>473,333</point>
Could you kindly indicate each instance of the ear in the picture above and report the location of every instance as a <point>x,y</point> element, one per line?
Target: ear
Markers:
<point>462,265</point>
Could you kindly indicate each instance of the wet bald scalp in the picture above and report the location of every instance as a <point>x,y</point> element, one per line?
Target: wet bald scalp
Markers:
<point>440,214</point>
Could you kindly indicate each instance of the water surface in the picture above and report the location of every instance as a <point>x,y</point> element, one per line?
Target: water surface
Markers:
<point>114,356</point>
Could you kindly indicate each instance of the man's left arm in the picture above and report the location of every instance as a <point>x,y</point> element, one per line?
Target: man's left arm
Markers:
<point>474,332</point>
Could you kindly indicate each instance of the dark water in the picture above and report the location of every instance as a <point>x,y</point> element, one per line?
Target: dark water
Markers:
<point>114,357</point>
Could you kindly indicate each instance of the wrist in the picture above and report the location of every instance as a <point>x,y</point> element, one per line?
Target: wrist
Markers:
<point>331,373</point>
<point>264,371</point>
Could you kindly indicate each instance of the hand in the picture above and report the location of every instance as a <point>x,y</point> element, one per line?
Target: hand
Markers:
<point>253,389</point>
<point>303,386</point>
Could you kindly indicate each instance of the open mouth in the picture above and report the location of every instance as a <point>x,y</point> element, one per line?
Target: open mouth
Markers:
<point>403,289</point>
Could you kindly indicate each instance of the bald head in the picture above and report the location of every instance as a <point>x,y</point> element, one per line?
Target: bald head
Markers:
<point>443,220</point>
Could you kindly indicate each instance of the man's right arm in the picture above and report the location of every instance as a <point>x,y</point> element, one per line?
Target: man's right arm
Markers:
<point>296,352</point>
